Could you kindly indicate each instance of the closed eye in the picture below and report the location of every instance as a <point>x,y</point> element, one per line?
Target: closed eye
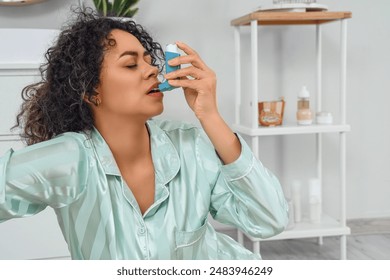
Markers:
<point>131,66</point>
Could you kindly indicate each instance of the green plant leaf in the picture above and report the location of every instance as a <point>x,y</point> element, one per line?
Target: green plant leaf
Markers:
<point>128,10</point>
<point>98,5</point>
<point>119,8</point>
<point>104,7</point>
<point>116,4</point>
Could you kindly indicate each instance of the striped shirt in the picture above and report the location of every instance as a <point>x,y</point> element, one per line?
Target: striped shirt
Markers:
<point>76,175</point>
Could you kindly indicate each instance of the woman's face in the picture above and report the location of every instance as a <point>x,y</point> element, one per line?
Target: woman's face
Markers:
<point>126,79</point>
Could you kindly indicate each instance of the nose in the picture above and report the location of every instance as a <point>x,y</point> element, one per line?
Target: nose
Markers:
<point>150,71</point>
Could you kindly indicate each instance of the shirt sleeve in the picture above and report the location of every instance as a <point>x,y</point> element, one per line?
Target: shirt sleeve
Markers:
<point>51,173</point>
<point>247,195</point>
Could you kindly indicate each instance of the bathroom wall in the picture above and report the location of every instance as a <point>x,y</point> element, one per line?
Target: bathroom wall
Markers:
<point>47,15</point>
<point>287,61</point>
<point>286,58</point>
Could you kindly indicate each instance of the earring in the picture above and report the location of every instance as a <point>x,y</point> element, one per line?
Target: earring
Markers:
<point>98,102</point>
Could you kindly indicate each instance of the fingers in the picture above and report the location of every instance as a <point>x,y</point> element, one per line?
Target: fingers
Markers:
<point>204,78</point>
<point>191,57</point>
<point>195,60</point>
<point>187,49</point>
<point>185,72</point>
<point>184,83</point>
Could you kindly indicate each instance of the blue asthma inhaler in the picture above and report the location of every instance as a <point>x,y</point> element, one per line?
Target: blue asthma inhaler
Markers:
<point>171,51</point>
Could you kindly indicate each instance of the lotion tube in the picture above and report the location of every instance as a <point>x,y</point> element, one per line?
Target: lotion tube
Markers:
<point>171,51</point>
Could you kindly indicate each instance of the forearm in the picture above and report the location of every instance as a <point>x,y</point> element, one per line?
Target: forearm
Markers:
<point>200,94</point>
<point>224,140</point>
<point>248,195</point>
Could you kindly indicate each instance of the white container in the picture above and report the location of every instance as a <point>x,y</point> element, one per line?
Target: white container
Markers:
<point>315,200</point>
<point>324,118</point>
<point>297,201</point>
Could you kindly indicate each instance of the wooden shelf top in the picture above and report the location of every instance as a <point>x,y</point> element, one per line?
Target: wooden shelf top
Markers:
<point>285,18</point>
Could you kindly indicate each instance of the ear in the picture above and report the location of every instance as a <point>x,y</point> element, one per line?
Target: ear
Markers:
<point>93,100</point>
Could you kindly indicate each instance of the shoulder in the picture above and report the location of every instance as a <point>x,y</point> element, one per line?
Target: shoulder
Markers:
<point>73,136</point>
<point>71,141</point>
<point>60,143</point>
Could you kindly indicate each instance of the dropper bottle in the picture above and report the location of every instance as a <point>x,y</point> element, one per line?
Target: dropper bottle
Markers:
<point>304,114</point>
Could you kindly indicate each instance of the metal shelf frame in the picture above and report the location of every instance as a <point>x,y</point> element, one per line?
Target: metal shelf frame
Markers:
<point>329,226</point>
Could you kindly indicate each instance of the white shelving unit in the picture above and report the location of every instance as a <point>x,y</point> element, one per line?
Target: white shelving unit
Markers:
<point>329,226</point>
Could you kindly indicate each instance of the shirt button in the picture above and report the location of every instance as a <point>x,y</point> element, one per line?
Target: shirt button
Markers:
<point>141,230</point>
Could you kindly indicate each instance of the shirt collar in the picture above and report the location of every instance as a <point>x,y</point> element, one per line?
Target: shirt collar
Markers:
<point>165,157</point>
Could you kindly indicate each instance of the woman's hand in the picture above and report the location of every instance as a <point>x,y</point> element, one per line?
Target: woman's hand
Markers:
<point>198,81</point>
<point>200,92</point>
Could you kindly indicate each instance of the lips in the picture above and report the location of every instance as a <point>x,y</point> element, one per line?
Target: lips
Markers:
<point>155,92</point>
<point>154,89</point>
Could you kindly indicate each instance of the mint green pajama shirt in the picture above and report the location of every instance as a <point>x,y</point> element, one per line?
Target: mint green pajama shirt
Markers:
<point>76,175</point>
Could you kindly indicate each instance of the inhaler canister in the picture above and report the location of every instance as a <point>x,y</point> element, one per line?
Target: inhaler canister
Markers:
<point>171,51</point>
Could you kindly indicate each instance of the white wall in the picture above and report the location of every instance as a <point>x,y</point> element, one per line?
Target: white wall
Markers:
<point>286,57</point>
<point>47,15</point>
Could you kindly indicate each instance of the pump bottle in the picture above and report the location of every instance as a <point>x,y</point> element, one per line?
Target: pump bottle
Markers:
<point>304,114</point>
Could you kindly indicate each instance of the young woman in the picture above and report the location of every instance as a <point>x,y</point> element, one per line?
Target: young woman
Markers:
<point>122,185</point>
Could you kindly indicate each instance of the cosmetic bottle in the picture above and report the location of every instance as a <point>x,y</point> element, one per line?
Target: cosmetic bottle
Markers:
<point>296,199</point>
<point>171,51</point>
<point>315,200</point>
<point>304,115</point>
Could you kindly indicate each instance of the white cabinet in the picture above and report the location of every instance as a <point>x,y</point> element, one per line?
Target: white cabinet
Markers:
<point>38,236</point>
<point>329,226</point>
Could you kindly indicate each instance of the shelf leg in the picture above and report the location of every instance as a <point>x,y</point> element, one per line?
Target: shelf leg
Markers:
<point>343,247</point>
<point>237,53</point>
<point>343,72</point>
<point>256,247</point>
<point>320,240</point>
<point>240,237</point>
<point>255,77</point>
<point>343,109</point>
<point>319,66</point>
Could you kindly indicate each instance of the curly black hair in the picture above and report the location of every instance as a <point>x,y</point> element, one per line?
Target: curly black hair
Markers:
<point>70,75</point>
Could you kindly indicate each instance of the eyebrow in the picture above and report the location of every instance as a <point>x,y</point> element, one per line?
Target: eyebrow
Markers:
<point>133,53</point>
